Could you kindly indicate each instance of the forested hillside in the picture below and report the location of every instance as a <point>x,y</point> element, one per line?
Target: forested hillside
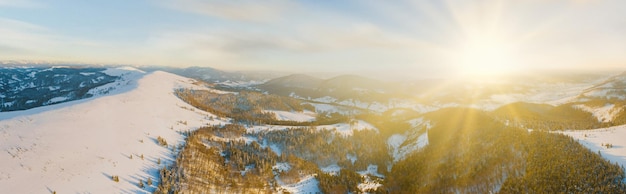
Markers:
<point>467,151</point>
<point>24,88</point>
<point>470,152</point>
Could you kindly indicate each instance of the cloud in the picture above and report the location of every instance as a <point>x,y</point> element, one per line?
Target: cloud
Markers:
<point>239,10</point>
<point>20,3</point>
<point>302,42</point>
<point>20,40</point>
<point>22,35</point>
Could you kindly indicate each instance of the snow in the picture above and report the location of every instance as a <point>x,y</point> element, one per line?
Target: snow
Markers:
<point>332,169</point>
<point>87,74</point>
<point>327,108</point>
<point>374,106</point>
<point>259,128</point>
<point>605,113</point>
<point>394,143</point>
<point>594,139</point>
<point>52,88</point>
<point>120,71</point>
<point>219,91</point>
<point>351,157</point>
<point>606,93</point>
<point>276,149</point>
<point>368,184</point>
<point>342,128</point>
<point>7,104</point>
<point>246,169</point>
<point>293,116</point>
<point>418,122</point>
<point>241,84</point>
<point>32,74</point>
<point>57,99</point>
<point>75,147</point>
<point>325,99</point>
<point>400,152</point>
<point>371,170</point>
<point>324,107</point>
<point>308,184</point>
<point>282,167</point>
<point>347,129</point>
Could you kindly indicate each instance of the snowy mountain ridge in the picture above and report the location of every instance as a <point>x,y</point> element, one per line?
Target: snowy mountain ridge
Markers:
<point>79,146</point>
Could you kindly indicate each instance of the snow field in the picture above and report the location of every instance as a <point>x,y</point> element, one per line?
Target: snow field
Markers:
<point>304,116</point>
<point>77,147</point>
<point>595,139</point>
<point>605,113</point>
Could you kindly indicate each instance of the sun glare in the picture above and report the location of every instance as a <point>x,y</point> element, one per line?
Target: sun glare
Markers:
<point>485,56</point>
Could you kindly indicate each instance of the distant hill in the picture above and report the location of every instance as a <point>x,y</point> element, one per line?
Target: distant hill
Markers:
<point>353,82</point>
<point>29,87</point>
<point>340,87</point>
<point>543,116</point>
<point>295,81</point>
<point>208,74</point>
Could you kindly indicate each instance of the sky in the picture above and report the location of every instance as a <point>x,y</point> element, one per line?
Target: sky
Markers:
<point>371,37</point>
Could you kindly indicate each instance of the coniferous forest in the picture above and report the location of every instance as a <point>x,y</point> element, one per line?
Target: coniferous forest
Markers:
<point>468,151</point>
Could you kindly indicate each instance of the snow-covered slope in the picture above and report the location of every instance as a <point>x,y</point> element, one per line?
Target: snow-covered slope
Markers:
<point>597,139</point>
<point>604,113</point>
<point>399,147</point>
<point>293,116</point>
<point>76,147</point>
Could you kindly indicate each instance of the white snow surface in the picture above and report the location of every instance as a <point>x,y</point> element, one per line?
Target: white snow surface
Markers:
<point>282,167</point>
<point>399,152</point>
<point>605,113</point>
<point>326,99</point>
<point>375,106</point>
<point>276,149</point>
<point>341,128</point>
<point>75,147</point>
<point>368,184</point>
<point>242,83</point>
<point>332,169</point>
<point>394,143</point>
<point>371,170</point>
<point>57,99</point>
<point>594,139</point>
<point>308,184</point>
<point>347,129</point>
<point>304,116</point>
<point>328,108</point>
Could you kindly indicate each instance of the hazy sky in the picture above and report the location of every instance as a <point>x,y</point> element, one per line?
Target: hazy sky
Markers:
<point>420,37</point>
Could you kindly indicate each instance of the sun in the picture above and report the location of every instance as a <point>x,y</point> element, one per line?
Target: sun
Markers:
<point>485,55</point>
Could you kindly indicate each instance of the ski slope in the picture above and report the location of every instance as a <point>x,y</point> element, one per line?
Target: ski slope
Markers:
<point>76,147</point>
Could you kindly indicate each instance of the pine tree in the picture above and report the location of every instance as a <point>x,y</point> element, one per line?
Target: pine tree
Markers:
<point>115,178</point>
